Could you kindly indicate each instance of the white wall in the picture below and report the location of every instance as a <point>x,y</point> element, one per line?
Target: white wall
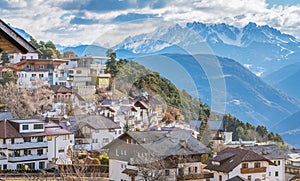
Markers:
<point>280,168</point>
<point>57,143</point>
<point>116,167</point>
<point>25,77</point>
<point>16,57</point>
<point>99,135</point>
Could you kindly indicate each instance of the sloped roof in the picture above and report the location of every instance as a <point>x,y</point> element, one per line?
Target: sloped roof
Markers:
<point>237,178</point>
<point>60,89</point>
<point>8,131</point>
<point>160,144</point>
<point>12,41</point>
<point>96,122</point>
<point>269,151</point>
<point>228,163</point>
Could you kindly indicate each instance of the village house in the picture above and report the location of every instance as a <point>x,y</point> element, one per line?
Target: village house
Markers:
<point>16,57</point>
<point>156,155</point>
<point>85,74</point>
<point>32,143</point>
<point>30,70</point>
<point>232,162</point>
<point>277,155</point>
<point>293,163</point>
<point>92,132</point>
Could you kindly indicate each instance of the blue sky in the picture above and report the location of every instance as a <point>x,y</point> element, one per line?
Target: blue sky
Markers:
<point>74,22</point>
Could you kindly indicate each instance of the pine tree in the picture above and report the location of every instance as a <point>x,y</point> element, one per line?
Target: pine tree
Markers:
<point>4,58</point>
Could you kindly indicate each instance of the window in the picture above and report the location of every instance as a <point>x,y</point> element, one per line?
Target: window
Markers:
<point>41,66</point>
<point>41,165</point>
<point>245,165</point>
<point>40,151</point>
<point>269,174</point>
<point>23,58</point>
<point>78,72</point>
<point>4,166</point>
<point>196,169</point>
<point>40,139</point>
<point>27,139</point>
<point>27,152</point>
<point>38,126</point>
<point>41,75</point>
<point>278,162</point>
<point>105,140</point>
<point>61,150</point>
<point>4,141</point>
<point>220,177</point>
<point>167,172</point>
<point>33,75</point>
<point>95,140</point>
<point>20,166</point>
<point>249,177</point>
<point>25,127</point>
<point>257,165</point>
<point>276,174</point>
<point>120,131</point>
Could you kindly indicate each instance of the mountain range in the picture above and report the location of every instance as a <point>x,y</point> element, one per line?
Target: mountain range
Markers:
<point>252,52</point>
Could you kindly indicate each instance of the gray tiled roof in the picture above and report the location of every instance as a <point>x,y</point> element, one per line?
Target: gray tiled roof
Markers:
<point>158,144</point>
<point>96,122</point>
<point>269,151</point>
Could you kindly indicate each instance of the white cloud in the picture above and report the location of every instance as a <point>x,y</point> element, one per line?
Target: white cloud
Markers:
<point>45,20</point>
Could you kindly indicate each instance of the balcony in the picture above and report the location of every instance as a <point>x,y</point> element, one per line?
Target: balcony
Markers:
<point>3,157</point>
<point>27,158</point>
<point>3,146</point>
<point>253,170</point>
<point>195,176</point>
<point>27,145</point>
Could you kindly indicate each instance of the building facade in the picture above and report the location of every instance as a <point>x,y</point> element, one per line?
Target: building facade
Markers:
<point>27,143</point>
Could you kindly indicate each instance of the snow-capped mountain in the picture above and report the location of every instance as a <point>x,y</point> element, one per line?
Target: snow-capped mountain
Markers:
<point>261,49</point>
<point>21,32</point>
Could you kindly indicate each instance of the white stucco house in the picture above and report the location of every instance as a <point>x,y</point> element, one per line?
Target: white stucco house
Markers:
<point>246,164</point>
<point>277,155</point>
<point>92,132</point>
<point>32,143</point>
<point>156,155</point>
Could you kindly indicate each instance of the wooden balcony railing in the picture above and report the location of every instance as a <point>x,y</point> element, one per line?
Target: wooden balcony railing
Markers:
<point>253,170</point>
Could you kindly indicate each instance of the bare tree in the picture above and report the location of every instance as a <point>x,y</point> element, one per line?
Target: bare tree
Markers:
<point>25,103</point>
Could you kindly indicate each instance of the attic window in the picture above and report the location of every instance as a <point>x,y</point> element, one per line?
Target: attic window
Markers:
<point>230,161</point>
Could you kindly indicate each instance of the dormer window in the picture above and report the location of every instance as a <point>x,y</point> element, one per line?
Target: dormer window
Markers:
<point>42,67</point>
<point>25,127</point>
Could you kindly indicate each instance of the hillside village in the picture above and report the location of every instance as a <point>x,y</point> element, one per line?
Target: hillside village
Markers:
<point>67,118</point>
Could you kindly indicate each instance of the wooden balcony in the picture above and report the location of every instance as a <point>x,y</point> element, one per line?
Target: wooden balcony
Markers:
<point>195,176</point>
<point>253,170</point>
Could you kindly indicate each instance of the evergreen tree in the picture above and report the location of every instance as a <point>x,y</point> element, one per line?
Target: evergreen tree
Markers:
<point>4,58</point>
